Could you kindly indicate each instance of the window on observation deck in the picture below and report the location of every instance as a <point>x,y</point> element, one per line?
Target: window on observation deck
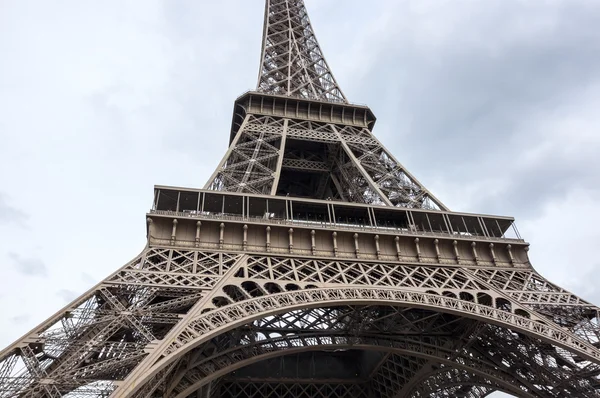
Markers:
<point>188,202</point>
<point>309,212</point>
<point>166,200</point>
<point>352,215</point>
<point>394,219</point>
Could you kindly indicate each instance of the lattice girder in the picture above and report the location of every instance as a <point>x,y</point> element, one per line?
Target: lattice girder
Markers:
<point>388,174</point>
<point>103,335</point>
<point>362,169</point>
<point>292,63</point>
<point>207,323</point>
<point>453,382</point>
<point>265,388</point>
<point>203,368</point>
<point>251,163</point>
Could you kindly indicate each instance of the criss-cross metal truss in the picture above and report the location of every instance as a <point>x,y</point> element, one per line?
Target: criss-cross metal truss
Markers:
<point>292,63</point>
<point>298,135</point>
<point>284,146</point>
<point>313,265</point>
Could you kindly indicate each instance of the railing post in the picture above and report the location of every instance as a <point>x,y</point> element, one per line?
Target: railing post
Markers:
<point>221,235</point>
<point>455,245</point>
<point>174,231</point>
<point>335,248</point>
<point>198,225</point>
<point>150,228</point>
<point>474,249</point>
<point>418,249</point>
<point>510,254</point>
<point>493,253</point>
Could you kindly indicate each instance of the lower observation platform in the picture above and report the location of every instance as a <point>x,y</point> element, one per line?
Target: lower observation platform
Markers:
<point>308,227</point>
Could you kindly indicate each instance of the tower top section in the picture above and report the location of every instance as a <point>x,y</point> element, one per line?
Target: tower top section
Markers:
<point>292,63</point>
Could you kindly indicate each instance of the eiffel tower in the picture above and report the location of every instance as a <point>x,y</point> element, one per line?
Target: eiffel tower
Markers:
<point>313,264</point>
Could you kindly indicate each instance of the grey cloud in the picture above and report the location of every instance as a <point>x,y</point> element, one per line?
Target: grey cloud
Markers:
<point>458,104</point>
<point>10,214</point>
<point>587,285</point>
<point>553,176</point>
<point>28,265</point>
<point>20,319</point>
<point>229,70</point>
<point>67,295</point>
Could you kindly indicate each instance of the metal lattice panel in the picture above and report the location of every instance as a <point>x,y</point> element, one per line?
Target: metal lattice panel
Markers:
<point>240,389</point>
<point>251,162</point>
<point>292,62</point>
<point>350,159</point>
<point>467,361</point>
<point>103,335</point>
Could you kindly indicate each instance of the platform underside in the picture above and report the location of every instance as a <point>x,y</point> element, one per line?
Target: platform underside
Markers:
<point>347,362</point>
<point>372,351</point>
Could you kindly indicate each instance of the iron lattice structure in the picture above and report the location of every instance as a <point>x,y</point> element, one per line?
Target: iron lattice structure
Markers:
<point>312,264</point>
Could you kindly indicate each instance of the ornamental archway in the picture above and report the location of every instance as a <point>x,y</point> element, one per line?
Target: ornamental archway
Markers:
<point>518,331</point>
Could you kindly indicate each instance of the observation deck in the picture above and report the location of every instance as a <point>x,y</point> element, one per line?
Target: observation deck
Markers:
<point>310,227</point>
<point>345,113</point>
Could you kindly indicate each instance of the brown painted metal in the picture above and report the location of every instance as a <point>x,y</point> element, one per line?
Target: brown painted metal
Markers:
<point>312,264</point>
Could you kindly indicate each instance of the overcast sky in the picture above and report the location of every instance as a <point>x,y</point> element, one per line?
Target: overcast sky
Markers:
<point>492,104</point>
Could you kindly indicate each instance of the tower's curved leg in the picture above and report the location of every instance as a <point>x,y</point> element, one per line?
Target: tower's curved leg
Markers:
<point>99,338</point>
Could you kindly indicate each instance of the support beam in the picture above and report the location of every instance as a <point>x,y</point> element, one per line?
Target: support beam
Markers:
<point>364,174</point>
<point>280,158</point>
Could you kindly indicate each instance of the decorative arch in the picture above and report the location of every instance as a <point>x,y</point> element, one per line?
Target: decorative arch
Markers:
<point>217,321</point>
<point>450,380</point>
<point>480,373</point>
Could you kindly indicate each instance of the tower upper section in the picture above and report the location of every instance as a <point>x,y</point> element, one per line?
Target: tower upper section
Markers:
<point>298,135</point>
<point>292,62</point>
